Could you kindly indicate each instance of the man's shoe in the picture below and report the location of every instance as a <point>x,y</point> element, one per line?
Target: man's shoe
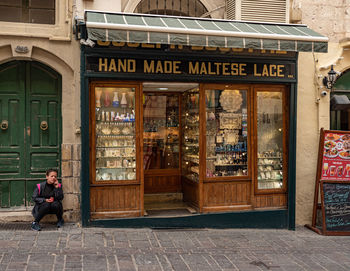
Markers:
<point>35,226</point>
<point>60,223</point>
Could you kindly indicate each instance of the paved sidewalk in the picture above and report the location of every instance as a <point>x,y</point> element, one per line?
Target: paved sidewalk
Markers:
<point>75,248</point>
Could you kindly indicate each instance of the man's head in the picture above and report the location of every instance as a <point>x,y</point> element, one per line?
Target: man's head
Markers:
<point>51,175</point>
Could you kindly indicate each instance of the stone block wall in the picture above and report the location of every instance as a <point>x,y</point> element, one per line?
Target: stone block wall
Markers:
<point>71,155</point>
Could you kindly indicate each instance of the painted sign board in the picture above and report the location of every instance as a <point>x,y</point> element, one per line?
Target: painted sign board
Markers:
<point>332,184</point>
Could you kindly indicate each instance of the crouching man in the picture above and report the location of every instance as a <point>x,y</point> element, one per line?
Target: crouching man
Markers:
<point>47,197</point>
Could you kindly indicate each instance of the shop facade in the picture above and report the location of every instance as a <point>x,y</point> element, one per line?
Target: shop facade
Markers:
<point>210,120</point>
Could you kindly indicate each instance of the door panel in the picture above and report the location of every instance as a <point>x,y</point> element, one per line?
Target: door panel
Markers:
<point>12,102</point>
<point>29,95</point>
<point>43,120</point>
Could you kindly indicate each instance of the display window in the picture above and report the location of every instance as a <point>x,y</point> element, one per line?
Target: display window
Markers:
<point>226,132</point>
<point>113,133</point>
<point>271,133</point>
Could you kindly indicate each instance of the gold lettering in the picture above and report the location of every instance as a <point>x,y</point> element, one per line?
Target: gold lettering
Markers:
<point>209,69</point>
<point>102,65</point>
<point>176,67</point>
<point>193,69</point>
<point>250,50</point>
<point>112,66</point>
<point>265,71</point>
<point>242,69</point>
<point>210,48</point>
<point>103,43</point>
<point>147,45</point>
<point>225,67</point>
<point>122,65</point>
<point>272,70</point>
<point>203,69</point>
<point>237,49</point>
<point>148,67</point>
<point>118,44</point>
<point>167,66</point>
<point>280,70</point>
<point>159,67</point>
<point>131,65</point>
<point>255,71</point>
<point>281,52</point>
<point>234,69</point>
<point>221,49</point>
<point>197,48</point>
<point>131,44</point>
<point>217,67</point>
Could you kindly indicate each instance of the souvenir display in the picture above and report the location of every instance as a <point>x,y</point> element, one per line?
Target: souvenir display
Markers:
<point>190,147</point>
<point>270,140</point>
<point>115,136</point>
<point>226,151</point>
<point>161,131</point>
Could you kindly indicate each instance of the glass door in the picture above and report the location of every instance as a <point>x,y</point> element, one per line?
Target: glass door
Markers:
<point>271,139</point>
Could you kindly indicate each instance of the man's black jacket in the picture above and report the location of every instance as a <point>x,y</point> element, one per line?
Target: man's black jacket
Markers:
<point>39,199</point>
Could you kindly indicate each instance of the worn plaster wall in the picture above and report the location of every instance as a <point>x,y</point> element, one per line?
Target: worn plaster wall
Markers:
<point>53,46</point>
<point>332,19</point>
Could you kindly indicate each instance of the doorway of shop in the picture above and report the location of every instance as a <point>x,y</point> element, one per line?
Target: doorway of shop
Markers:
<point>164,146</point>
<point>30,134</point>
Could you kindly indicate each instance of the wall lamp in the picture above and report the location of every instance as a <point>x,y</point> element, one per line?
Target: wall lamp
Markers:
<point>330,79</point>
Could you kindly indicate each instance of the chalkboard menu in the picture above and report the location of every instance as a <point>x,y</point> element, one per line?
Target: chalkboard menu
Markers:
<point>332,184</point>
<point>336,206</point>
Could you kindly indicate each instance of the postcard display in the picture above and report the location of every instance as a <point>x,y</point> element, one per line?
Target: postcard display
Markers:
<point>332,185</point>
<point>115,134</point>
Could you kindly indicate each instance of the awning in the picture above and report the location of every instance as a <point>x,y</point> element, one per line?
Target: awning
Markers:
<point>155,29</point>
<point>340,102</point>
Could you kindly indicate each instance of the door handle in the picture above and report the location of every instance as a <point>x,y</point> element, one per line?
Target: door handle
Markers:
<point>4,125</point>
<point>43,125</point>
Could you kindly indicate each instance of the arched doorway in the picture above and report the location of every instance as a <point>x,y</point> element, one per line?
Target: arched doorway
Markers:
<point>30,134</point>
<point>340,103</point>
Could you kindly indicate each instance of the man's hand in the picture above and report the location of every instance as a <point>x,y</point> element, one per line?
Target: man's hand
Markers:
<point>51,199</point>
<point>56,183</point>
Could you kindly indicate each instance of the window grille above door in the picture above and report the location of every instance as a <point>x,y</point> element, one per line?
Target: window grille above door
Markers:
<point>186,8</point>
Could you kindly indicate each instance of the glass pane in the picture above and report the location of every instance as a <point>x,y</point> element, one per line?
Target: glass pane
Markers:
<point>270,140</point>
<point>226,132</point>
<point>10,14</point>
<point>161,131</point>
<point>50,4</point>
<point>190,124</point>
<point>115,134</point>
<point>41,16</point>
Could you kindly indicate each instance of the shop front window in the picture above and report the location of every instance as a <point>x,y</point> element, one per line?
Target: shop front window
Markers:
<point>161,131</point>
<point>190,124</point>
<point>270,139</point>
<point>115,133</point>
<point>226,132</point>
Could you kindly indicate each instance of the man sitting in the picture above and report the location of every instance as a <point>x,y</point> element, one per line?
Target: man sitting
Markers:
<point>48,197</point>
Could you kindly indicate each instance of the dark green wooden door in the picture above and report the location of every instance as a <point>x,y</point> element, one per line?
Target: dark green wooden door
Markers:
<point>30,135</point>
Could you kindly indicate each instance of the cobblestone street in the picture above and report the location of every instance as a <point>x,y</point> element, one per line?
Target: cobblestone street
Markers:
<point>75,248</point>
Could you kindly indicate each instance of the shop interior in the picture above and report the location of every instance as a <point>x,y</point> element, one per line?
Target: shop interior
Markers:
<point>166,146</point>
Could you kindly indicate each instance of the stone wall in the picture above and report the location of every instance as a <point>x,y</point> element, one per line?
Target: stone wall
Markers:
<point>71,154</point>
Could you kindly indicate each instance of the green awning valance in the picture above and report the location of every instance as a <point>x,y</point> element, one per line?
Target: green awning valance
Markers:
<point>154,29</point>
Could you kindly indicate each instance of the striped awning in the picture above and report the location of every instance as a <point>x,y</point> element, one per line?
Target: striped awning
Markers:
<point>155,29</point>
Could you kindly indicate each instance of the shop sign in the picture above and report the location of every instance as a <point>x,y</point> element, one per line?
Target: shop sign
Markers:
<point>223,68</point>
<point>336,157</point>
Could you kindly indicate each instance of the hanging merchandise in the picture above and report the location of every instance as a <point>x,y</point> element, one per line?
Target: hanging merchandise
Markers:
<point>231,100</point>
